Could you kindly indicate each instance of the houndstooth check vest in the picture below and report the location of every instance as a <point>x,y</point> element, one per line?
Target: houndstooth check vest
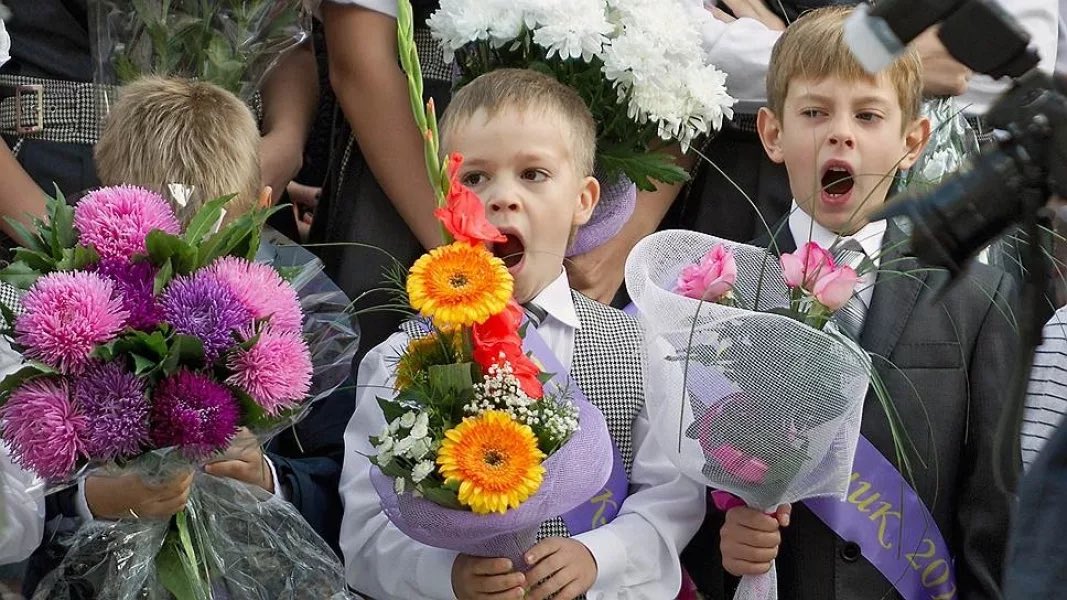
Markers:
<point>607,366</point>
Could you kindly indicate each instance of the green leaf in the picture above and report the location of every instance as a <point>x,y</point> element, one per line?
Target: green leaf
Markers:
<point>61,223</point>
<point>394,469</point>
<point>163,246</point>
<point>142,365</point>
<point>29,240</point>
<point>452,379</point>
<point>172,572</point>
<point>39,261</point>
<point>105,352</point>
<point>254,416</point>
<point>443,496</point>
<point>641,167</point>
<point>184,350</point>
<point>20,275</point>
<point>391,409</point>
<point>76,258</point>
<point>14,380</point>
<point>203,223</point>
<point>163,277</point>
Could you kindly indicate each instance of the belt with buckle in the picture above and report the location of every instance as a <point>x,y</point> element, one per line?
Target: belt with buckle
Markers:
<point>51,109</point>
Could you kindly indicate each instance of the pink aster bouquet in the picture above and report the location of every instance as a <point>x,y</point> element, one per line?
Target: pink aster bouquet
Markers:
<point>148,348</point>
<point>760,395</point>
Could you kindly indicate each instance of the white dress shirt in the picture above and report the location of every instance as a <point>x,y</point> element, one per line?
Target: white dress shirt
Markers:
<point>386,7</point>
<point>636,554</point>
<point>742,49</point>
<point>805,229</point>
<point>21,493</point>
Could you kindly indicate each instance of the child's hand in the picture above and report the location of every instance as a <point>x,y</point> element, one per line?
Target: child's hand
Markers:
<point>749,539</point>
<point>474,578</point>
<point>129,496</point>
<point>563,569</point>
<point>244,461</point>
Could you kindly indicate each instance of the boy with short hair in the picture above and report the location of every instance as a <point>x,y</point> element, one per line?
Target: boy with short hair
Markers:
<point>527,142</point>
<point>190,141</point>
<point>945,360</point>
<point>194,134</point>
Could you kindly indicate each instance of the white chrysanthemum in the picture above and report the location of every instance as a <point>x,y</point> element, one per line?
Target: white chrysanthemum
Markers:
<point>576,29</point>
<point>422,470</point>
<point>459,22</point>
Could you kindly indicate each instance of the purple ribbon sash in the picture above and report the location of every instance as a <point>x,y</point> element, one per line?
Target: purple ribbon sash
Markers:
<point>893,528</point>
<point>602,507</point>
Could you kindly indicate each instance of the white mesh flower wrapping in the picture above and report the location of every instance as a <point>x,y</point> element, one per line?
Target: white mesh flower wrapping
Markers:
<point>753,403</point>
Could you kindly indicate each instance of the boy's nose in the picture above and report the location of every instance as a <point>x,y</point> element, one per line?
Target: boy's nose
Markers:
<point>841,135</point>
<point>503,202</point>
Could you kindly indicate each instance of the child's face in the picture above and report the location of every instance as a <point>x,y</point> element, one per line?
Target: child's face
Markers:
<point>520,164</point>
<point>842,142</point>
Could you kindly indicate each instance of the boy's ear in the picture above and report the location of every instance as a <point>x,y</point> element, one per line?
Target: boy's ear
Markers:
<point>588,196</point>
<point>770,134</point>
<point>915,138</point>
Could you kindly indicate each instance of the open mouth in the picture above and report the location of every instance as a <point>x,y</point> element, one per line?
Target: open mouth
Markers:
<point>511,251</point>
<point>837,181</point>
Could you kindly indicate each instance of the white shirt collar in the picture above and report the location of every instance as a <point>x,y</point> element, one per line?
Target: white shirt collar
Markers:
<point>556,300</point>
<point>805,229</point>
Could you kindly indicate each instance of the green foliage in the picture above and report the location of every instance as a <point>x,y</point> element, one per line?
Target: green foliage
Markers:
<point>231,43</point>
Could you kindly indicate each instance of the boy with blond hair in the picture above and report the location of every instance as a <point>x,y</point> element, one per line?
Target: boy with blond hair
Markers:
<point>527,142</point>
<point>190,141</point>
<point>943,356</point>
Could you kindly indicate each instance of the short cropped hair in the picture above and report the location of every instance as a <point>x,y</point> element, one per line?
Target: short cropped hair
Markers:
<point>814,47</point>
<point>165,131</point>
<point>523,89</point>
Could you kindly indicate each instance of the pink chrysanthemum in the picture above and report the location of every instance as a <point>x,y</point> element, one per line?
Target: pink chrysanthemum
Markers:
<point>275,371</point>
<point>65,316</point>
<point>43,428</point>
<point>193,412</point>
<point>115,220</point>
<point>261,290</point>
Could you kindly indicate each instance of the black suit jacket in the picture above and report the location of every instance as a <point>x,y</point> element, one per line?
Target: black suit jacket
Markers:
<point>947,363</point>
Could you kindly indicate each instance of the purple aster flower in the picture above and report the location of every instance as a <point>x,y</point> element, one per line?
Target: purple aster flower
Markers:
<point>193,412</point>
<point>275,371</point>
<point>116,220</point>
<point>203,307</point>
<point>116,410</point>
<point>43,428</point>
<point>65,316</point>
<point>134,283</point>
<point>261,290</point>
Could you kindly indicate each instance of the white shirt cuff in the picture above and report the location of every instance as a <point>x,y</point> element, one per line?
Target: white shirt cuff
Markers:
<point>81,505</point>
<point>433,567</point>
<point>609,552</point>
<point>278,491</point>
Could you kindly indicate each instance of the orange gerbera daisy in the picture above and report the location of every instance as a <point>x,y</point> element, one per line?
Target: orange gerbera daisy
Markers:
<point>495,460</point>
<point>459,285</point>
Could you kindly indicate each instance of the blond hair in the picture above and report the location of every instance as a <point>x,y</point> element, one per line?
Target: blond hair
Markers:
<point>814,47</point>
<point>524,90</point>
<point>165,131</point>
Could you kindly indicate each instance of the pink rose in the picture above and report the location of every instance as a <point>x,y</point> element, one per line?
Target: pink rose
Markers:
<point>711,278</point>
<point>833,289</point>
<point>735,462</point>
<point>803,268</point>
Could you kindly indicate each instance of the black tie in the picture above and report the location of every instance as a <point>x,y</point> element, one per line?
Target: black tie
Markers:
<point>535,313</point>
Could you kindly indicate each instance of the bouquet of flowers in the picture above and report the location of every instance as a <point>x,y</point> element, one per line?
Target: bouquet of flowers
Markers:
<point>231,43</point>
<point>639,65</point>
<point>147,349</point>
<point>481,446</point>
<point>759,396</point>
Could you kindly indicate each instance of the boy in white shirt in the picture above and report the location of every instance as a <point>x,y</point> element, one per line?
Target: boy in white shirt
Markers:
<point>528,143</point>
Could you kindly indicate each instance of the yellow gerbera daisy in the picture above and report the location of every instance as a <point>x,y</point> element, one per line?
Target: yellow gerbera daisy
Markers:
<point>459,285</point>
<point>495,460</point>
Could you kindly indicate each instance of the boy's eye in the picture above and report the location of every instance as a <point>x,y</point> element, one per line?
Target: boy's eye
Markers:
<point>868,116</point>
<point>473,178</point>
<point>812,113</point>
<point>534,175</point>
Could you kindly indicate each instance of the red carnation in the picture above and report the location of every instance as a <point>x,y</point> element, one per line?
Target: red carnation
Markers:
<point>497,340</point>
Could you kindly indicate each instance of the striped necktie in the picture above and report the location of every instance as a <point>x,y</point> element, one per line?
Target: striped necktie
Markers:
<point>850,316</point>
<point>535,314</point>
